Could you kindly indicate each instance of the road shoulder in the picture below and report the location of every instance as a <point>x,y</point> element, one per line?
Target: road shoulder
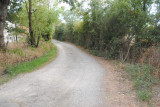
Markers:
<point>118,89</point>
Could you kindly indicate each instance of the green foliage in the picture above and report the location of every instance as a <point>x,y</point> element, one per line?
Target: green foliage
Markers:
<point>72,3</point>
<point>43,19</point>
<point>117,29</point>
<point>97,53</point>
<point>59,32</point>
<point>16,30</point>
<point>143,79</point>
<point>14,7</point>
<point>109,25</point>
<point>115,45</point>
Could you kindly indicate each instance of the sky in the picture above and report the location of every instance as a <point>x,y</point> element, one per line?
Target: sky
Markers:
<point>153,10</point>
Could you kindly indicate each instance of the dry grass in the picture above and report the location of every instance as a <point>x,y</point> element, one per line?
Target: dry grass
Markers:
<point>151,56</point>
<point>21,52</point>
<point>118,89</point>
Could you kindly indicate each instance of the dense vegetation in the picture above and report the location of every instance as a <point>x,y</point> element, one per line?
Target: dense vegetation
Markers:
<point>119,29</point>
<point>34,18</point>
<point>125,30</point>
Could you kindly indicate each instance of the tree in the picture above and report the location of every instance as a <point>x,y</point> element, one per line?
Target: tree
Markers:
<point>3,14</point>
<point>70,2</point>
<point>109,25</point>
<point>14,7</point>
<point>32,39</point>
<point>40,18</point>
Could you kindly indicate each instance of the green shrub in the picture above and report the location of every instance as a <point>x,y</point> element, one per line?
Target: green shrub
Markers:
<point>98,53</point>
<point>59,32</point>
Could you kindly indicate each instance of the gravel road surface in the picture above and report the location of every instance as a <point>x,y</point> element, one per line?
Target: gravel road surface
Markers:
<point>73,79</point>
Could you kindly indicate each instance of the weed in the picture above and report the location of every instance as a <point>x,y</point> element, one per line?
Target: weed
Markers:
<point>12,69</point>
<point>144,95</point>
<point>17,51</point>
<point>30,66</point>
<point>143,79</point>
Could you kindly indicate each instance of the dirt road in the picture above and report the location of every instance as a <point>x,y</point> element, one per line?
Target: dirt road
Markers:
<point>74,79</point>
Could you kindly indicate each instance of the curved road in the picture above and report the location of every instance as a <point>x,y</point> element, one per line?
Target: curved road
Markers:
<point>73,79</point>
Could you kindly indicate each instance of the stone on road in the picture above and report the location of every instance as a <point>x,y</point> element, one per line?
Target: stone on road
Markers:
<point>73,79</point>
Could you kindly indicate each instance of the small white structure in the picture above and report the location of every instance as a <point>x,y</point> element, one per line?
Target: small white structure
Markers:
<point>8,37</point>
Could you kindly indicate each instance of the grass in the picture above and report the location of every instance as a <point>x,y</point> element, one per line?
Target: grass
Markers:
<point>21,52</point>
<point>143,80</point>
<point>25,67</point>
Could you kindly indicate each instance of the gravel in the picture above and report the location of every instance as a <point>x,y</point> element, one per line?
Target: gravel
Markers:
<point>73,79</point>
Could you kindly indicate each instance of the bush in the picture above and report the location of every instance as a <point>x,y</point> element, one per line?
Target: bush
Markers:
<point>59,32</point>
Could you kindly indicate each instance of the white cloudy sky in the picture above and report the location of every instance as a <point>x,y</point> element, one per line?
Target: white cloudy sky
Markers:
<point>153,10</point>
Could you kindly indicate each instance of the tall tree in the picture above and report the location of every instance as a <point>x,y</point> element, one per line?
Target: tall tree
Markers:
<point>3,14</point>
<point>30,23</point>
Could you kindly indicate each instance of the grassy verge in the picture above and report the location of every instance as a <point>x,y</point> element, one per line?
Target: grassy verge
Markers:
<point>143,80</point>
<point>13,71</point>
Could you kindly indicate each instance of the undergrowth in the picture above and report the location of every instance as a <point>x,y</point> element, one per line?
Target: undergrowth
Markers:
<point>143,80</point>
<point>23,67</point>
<point>98,53</point>
<point>20,52</point>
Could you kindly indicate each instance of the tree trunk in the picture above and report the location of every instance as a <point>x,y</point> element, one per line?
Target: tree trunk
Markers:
<point>16,34</point>
<point>38,41</point>
<point>3,14</point>
<point>144,5</point>
<point>30,24</point>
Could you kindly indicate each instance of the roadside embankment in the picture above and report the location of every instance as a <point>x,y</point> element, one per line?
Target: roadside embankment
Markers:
<point>21,58</point>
